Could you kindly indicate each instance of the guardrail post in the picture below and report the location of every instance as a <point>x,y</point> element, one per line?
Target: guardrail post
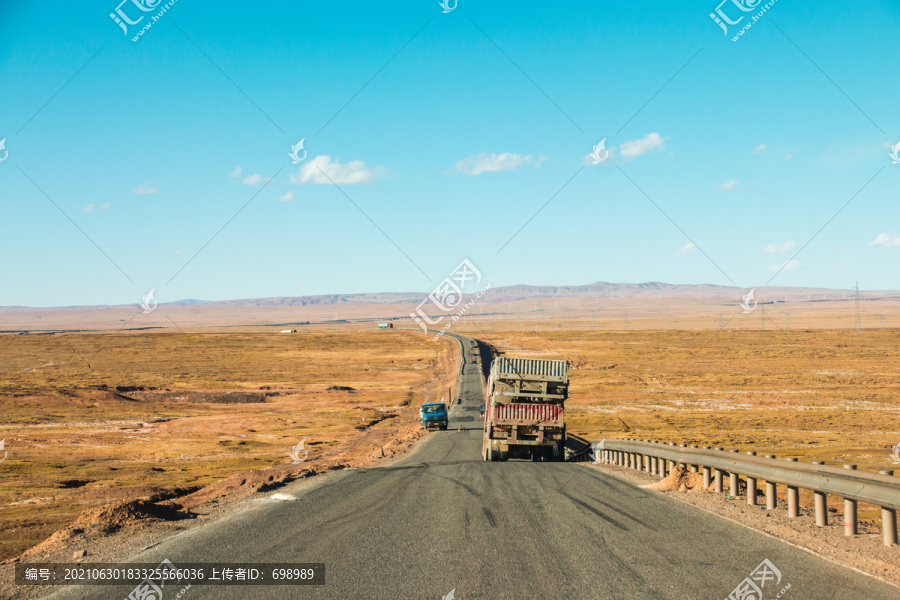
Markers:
<point>771,492</point>
<point>693,467</point>
<point>888,518</point>
<point>821,501</point>
<point>679,463</point>
<point>733,481</point>
<point>707,474</point>
<point>793,498</point>
<point>718,478</point>
<point>850,521</point>
<point>751,485</point>
<point>652,464</point>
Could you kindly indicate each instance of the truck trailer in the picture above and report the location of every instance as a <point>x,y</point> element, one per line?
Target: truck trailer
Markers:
<point>524,409</point>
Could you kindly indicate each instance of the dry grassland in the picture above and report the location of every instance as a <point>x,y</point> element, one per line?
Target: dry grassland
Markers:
<point>80,432</point>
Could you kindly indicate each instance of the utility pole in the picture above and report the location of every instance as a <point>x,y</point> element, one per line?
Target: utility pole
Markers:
<point>762,315</point>
<point>858,316</point>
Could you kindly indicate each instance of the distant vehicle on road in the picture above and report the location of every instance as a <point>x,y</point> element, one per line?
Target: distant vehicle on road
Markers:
<point>386,325</point>
<point>434,414</point>
<point>525,409</point>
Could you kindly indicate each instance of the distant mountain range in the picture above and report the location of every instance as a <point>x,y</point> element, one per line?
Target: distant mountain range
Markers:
<point>512,293</point>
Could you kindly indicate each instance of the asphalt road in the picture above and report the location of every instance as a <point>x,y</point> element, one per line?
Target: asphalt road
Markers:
<point>442,520</point>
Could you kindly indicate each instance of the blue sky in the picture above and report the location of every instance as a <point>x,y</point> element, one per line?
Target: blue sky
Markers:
<point>444,135</point>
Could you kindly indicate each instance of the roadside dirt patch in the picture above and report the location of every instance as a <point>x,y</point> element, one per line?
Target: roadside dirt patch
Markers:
<point>679,480</point>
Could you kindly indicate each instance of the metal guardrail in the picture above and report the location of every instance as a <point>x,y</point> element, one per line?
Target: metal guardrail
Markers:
<point>881,489</point>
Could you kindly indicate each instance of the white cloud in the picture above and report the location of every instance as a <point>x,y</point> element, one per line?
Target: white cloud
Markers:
<point>289,197</point>
<point>103,206</point>
<point>256,179</point>
<point>146,188</point>
<point>490,163</point>
<point>786,266</point>
<point>237,171</point>
<point>540,160</point>
<point>788,156</point>
<point>886,240</point>
<point>179,252</point>
<point>729,185</point>
<point>351,173</point>
<point>775,248</point>
<point>686,249</point>
<point>634,148</point>
<point>88,208</point>
<point>760,148</point>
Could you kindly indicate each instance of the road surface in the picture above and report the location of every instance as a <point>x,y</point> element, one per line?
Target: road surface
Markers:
<point>442,520</point>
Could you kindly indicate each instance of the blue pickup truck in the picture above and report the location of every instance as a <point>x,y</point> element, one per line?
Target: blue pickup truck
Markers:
<point>434,414</point>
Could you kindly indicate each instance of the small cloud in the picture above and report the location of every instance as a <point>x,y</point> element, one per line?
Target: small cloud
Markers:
<point>237,171</point>
<point>886,240</point>
<point>786,266</point>
<point>490,163</point>
<point>760,148</point>
<point>146,188</point>
<point>634,148</point>
<point>686,249</point>
<point>289,197</point>
<point>777,248</point>
<point>788,156</point>
<point>90,207</point>
<point>179,252</point>
<point>103,206</point>
<point>539,161</point>
<point>352,173</point>
<point>729,185</point>
<point>256,179</point>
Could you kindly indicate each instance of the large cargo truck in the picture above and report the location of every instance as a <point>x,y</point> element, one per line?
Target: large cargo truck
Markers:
<point>525,409</point>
